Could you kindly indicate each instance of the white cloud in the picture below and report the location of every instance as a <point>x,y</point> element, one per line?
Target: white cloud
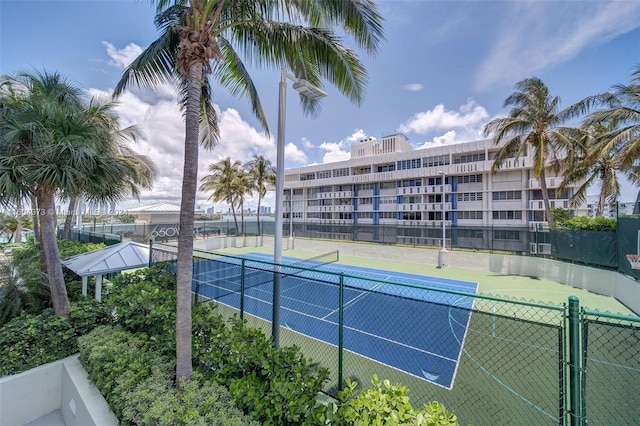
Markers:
<point>414,87</point>
<point>438,118</point>
<point>356,136</point>
<point>294,154</point>
<point>446,139</point>
<point>341,150</point>
<point>121,58</point>
<point>536,35</point>
<point>306,144</point>
<point>160,121</point>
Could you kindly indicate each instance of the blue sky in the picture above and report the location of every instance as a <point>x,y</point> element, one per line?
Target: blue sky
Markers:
<point>444,71</point>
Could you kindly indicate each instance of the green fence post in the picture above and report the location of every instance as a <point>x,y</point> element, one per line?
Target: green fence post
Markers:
<point>340,330</point>
<point>575,362</point>
<point>242,267</point>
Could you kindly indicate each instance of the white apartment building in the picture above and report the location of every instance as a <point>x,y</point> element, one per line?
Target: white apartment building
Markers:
<point>386,181</point>
<point>611,210</point>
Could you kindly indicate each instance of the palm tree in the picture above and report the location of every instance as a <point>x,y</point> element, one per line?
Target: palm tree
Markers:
<point>206,37</point>
<point>535,124</point>
<point>141,168</point>
<point>600,163</point>
<point>242,186</point>
<point>52,144</point>
<point>623,109</point>
<point>263,174</point>
<point>222,182</point>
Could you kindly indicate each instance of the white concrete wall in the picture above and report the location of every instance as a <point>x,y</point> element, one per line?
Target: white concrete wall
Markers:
<point>59,385</point>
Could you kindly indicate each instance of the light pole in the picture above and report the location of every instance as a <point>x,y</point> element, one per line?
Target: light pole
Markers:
<point>291,218</point>
<point>443,250</point>
<point>310,91</point>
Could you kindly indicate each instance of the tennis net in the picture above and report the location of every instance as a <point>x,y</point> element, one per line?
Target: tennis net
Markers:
<point>215,279</point>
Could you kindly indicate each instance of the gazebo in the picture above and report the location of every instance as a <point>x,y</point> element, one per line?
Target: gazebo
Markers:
<point>109,260</point>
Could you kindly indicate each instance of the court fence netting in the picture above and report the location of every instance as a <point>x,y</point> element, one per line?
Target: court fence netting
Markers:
<point>515,362</point>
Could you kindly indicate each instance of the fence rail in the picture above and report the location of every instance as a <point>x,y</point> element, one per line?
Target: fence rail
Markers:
<point>513,362</point>
<point>601,249</point>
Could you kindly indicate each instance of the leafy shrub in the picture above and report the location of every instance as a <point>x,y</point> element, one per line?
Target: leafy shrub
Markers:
<point>276,386</point>
<point>28,340</point>
<point>587,223</point>
<point>381,404</point>
<point>116,361</point>
<point>145,301</point>
<point>138,384</point>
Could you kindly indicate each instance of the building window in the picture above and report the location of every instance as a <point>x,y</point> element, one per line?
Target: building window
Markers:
<point>365,187</point>
<point>308,176</point>
<point>411,216</point>
<point>507,215</point>
<point>436,160</point>
<point>388,200</point>
<point>411,182</point>
<point>387,185</point>
<point>341,172</point>
<point>469,233</point>
<point>365,201</point>
<point>323,174</point>
<point>414,163</point>
<point>470,215</point>
<point>469,158</point>
<point>506,234</point>
<point>386,168</point>
<point>469,196</point>
<point>470,179</point>
<point>506,195</point>
<point>387,215</point>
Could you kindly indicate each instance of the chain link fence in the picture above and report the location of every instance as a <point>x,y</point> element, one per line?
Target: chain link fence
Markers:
<point>491,360</point>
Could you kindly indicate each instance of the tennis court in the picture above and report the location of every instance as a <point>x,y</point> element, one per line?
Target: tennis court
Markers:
<point>310,305</point>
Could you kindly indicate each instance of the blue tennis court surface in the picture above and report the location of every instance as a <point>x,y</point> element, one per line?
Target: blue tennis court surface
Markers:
<point>416,330</point>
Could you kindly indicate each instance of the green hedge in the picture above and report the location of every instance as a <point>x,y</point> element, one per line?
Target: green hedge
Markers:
<point>138,384</point>
<point>28,341</point>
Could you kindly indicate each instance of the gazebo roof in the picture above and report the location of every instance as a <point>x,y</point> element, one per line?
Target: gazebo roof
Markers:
<point>116,258</point>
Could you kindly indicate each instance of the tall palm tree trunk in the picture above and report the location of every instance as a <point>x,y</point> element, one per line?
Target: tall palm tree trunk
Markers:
<point>602,199</point>
<point>545,197</point>
<point>51,254</point>
<point>35,219</point>
<point>68,221</point>
<point>258,214</point>
<point>17,235</point>
<point>235,218</point>
<point>184,367</point>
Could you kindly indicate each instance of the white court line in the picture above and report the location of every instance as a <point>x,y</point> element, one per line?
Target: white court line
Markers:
<point>350,328</point>
<point>362,294</point>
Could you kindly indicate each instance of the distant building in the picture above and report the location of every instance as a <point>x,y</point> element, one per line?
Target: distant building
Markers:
<point>265,209</point>
<point>157,213</point>
<point>610,210</point>
<point>387,181</point>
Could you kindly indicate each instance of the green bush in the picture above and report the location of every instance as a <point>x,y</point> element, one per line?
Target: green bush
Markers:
<point>276,386</point>
<point>145,301</point>
<point>28,341</point>
<point>138,384</point>
<point>381,404</point>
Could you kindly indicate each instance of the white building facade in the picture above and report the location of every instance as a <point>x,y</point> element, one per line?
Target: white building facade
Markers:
<point>386,181</point>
